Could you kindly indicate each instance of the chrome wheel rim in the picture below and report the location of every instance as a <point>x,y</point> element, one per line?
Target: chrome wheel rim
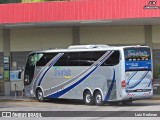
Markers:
<point>40,95</point>
<point>88,98</point>
<point>98,99</point>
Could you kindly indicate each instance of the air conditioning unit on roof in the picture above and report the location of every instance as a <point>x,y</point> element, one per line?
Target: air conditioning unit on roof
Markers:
<point>87,46</point>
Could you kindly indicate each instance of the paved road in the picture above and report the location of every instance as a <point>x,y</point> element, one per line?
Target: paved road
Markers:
<point>66,105</point>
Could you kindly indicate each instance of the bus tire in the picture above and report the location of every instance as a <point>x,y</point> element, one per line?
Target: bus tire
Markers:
<point>40,97</point>
<point>98,98</point>
<point>88,98</point>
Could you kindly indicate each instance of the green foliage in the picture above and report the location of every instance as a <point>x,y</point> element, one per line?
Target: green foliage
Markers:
<point>10,1</point>
<point>19,1</point>
<point>33,0</point>
<point>39,0</point>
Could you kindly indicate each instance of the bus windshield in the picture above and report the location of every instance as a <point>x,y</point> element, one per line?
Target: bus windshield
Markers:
<point>137,58</point>
<point>30,67</point>
<point>34,61</point>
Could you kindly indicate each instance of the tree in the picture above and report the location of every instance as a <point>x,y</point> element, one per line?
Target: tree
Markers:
<point>40,0</point>
<point>10,1</point>
<point>19,1</point>
<point>33,0</point>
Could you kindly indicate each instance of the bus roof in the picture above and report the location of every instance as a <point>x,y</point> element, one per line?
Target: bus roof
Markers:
<point>76,48</point>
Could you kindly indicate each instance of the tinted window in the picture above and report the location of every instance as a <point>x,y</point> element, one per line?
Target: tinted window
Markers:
<point>73,59</point>
<point>35,59</point>
<point>29,69</point>
<point>45,58</point>
<point>97,55</point>
<point>113,59</point>
<point>86,58</point>
<point>63,61</point>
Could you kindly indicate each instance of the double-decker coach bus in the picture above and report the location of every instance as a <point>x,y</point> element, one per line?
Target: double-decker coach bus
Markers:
<point>93,73</point>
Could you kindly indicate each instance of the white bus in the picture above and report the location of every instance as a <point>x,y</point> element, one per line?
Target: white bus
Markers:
<point>93,73</point>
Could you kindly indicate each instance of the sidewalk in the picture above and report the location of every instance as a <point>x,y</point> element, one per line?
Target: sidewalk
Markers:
<point>17,98</point>
<point>155,97</point>
<point>27,99</point>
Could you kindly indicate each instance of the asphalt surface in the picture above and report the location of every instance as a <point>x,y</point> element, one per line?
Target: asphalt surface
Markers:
<point>74,105</point>
<point>108,111</point>
<point>24,98</point>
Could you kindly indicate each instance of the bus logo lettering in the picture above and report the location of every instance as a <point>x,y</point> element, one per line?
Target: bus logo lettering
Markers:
<point>66,73</point>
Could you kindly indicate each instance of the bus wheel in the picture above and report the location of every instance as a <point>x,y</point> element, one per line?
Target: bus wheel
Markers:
<point>88,98</point>
<point>98,98</point>
<point>40,95</point>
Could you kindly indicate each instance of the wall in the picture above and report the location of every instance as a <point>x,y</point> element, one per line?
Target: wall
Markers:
<point>40,38</point>
<point>156,50</point>
<point>112,35</point>
<point>1,41</point>
<point>45,38</point>
<point>156,36</point>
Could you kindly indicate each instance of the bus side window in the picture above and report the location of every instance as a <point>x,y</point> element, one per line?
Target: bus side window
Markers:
<point>43,60</point>
<point>85,59</point>
<point>97,55</point>
<point>62,61</point>
<point>113,59</point>
<point>73,59</point>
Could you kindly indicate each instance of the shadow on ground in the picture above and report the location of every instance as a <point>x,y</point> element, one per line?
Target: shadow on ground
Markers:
<point>116,104</point>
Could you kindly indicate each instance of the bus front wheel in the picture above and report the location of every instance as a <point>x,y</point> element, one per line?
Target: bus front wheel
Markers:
<point>40,95</point>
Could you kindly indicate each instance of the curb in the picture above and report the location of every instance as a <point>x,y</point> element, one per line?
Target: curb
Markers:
<point>155,98</point>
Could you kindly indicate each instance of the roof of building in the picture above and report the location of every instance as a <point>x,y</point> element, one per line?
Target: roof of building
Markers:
<point>81,12</point>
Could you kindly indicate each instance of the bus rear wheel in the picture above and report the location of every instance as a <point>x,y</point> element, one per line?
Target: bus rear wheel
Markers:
<point>40,97</point>
<point>98,98</point>
<point>88,98</point>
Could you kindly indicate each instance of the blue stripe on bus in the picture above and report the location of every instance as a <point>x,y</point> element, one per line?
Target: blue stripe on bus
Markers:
<point>150,83</point>
<point>48,69</point>
<point>110,88</point>
<point>138,81</point>
<point>60,93</point>
<point>131,77</point>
